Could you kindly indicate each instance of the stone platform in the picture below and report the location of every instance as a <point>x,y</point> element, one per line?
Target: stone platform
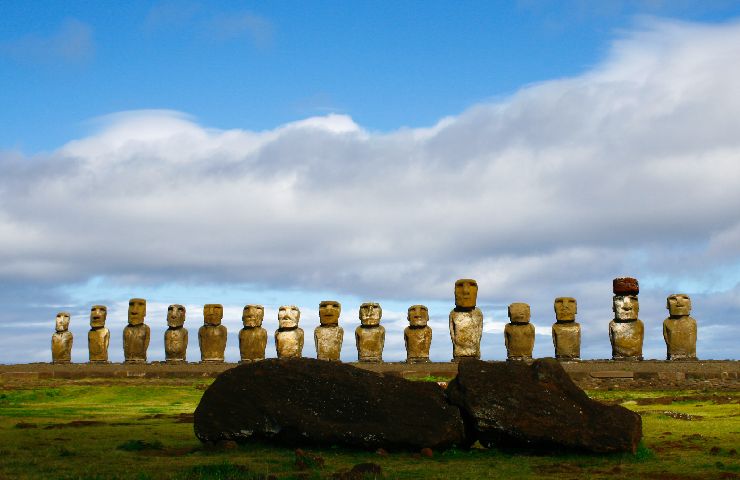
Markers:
<point>587,373</point>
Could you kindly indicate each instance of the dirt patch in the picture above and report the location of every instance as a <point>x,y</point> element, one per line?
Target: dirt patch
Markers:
<point>178,417</point>
<point>76,424</point>
<point>717,399</point>
<point>25,425</point>
<point>558,468</point>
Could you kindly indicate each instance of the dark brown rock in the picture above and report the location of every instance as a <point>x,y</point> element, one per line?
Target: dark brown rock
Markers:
<point>310,402</point>
<point>514,404</point>
<point>625,286</point>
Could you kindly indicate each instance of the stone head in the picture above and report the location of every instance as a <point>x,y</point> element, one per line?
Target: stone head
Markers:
<point>565,309</point>
<point>213,313</point>
<point>466,293</point>
<point>61,324</point>
<point>418,315</point>
<point>329,312</point>
<point>136,311</point>
<point>519,313</point>
<point>253,315</point>
<point>98,314</point>
<point>175,316</point>
<point>288,316</point>
<point>625,307</point>
<point>370,314</point>
<point>678,304</point>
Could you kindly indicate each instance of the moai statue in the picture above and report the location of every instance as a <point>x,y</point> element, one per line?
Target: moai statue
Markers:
<point>679,330</point>
<point>566,332</point>
<point>418,335</point>
<point>370,335</point>
<point>288,336</point>
<point>466,321</point>
<point>519,333</point>
<point>61,340</point>
<point>136,333</point>
<point>212,335</point>
<point>328,335</point>
<point>626,331</point>
<point>176,336</point>
<point>252,338</point>
<point>98,338</point>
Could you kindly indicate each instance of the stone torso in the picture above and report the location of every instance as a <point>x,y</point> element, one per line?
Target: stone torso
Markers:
<point>466,328</point>
<point>566,337</point>
<point>289,343</point>
<point>212,341</point>
<point>370,342</point>
<point>417,340</point>
<point>680,338</point>
<point>135,343</point>
<point>175,344</point>
<point>328,340</point>
<point>97,344</point>
<point>626,339</point>
<point>252,343</point>
<point>519,341</point>
<point>61,347</point>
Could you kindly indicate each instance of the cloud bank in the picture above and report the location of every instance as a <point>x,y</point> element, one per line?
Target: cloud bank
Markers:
<point>631,168</point>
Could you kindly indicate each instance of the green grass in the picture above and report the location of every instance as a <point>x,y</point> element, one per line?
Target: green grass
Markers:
<point>138,429</point>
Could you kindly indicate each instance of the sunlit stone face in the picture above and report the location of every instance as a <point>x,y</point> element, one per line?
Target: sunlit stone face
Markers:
<point>679,305</point>
<point>98,314</point>
<point>61,323</point>
<point>519,313</point>
<point>136,311</point>
<point>418,315</point>
<point>626,307</point>
<point>466,293</point>
<point>213,313</point>
<point>565,309</point>
<point>253,315</point>
<point>175,316</point>
<point>370,314</point>
<point>288,316</point>
<point>329,312</point>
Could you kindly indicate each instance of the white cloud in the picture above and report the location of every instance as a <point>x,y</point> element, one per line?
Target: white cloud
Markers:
<point>631,168</point>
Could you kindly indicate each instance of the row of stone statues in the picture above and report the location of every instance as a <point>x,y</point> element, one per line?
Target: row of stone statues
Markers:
<point>626,331</point>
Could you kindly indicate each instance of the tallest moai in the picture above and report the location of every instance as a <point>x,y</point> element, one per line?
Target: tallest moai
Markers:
<point>626,331</point>
<point>466,321</point>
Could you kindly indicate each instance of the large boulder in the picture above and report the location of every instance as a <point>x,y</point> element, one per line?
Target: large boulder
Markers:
<point>512,404</point>
<point>313,402</point>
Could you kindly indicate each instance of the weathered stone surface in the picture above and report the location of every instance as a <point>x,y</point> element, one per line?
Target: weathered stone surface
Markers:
<point>176,336</point>
<point>679,329</point>
<point>311,402</point>
<point>252,343</point>
<point>519,333</point>
<point>212,335</point>
<point>61,340</point>
<point>289,337</point>
<point>538,405</point>
<point>136,333</point>
<point>625,286</point>
<point>466,330</point>
<point>417,337</point>
<point>566,333</point>
<point>252,338</point>
<point>98,338</point>
<point>370,341</point>
<point>328,336</point>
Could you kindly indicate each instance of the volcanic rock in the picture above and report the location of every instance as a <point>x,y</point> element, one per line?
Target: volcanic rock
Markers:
<point>625,286</point>
<point>513,404</point>
<point>312,402</point>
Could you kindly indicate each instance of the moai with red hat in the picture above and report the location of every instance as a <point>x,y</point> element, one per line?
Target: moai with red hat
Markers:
<point>626,331</point>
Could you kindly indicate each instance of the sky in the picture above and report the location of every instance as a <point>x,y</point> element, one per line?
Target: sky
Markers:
<point>281,154</point>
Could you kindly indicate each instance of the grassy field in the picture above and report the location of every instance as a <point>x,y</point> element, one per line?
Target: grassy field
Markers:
<point>142,429</point>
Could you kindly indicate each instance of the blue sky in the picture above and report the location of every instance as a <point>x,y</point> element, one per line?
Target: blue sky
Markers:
<point>276,153</point>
